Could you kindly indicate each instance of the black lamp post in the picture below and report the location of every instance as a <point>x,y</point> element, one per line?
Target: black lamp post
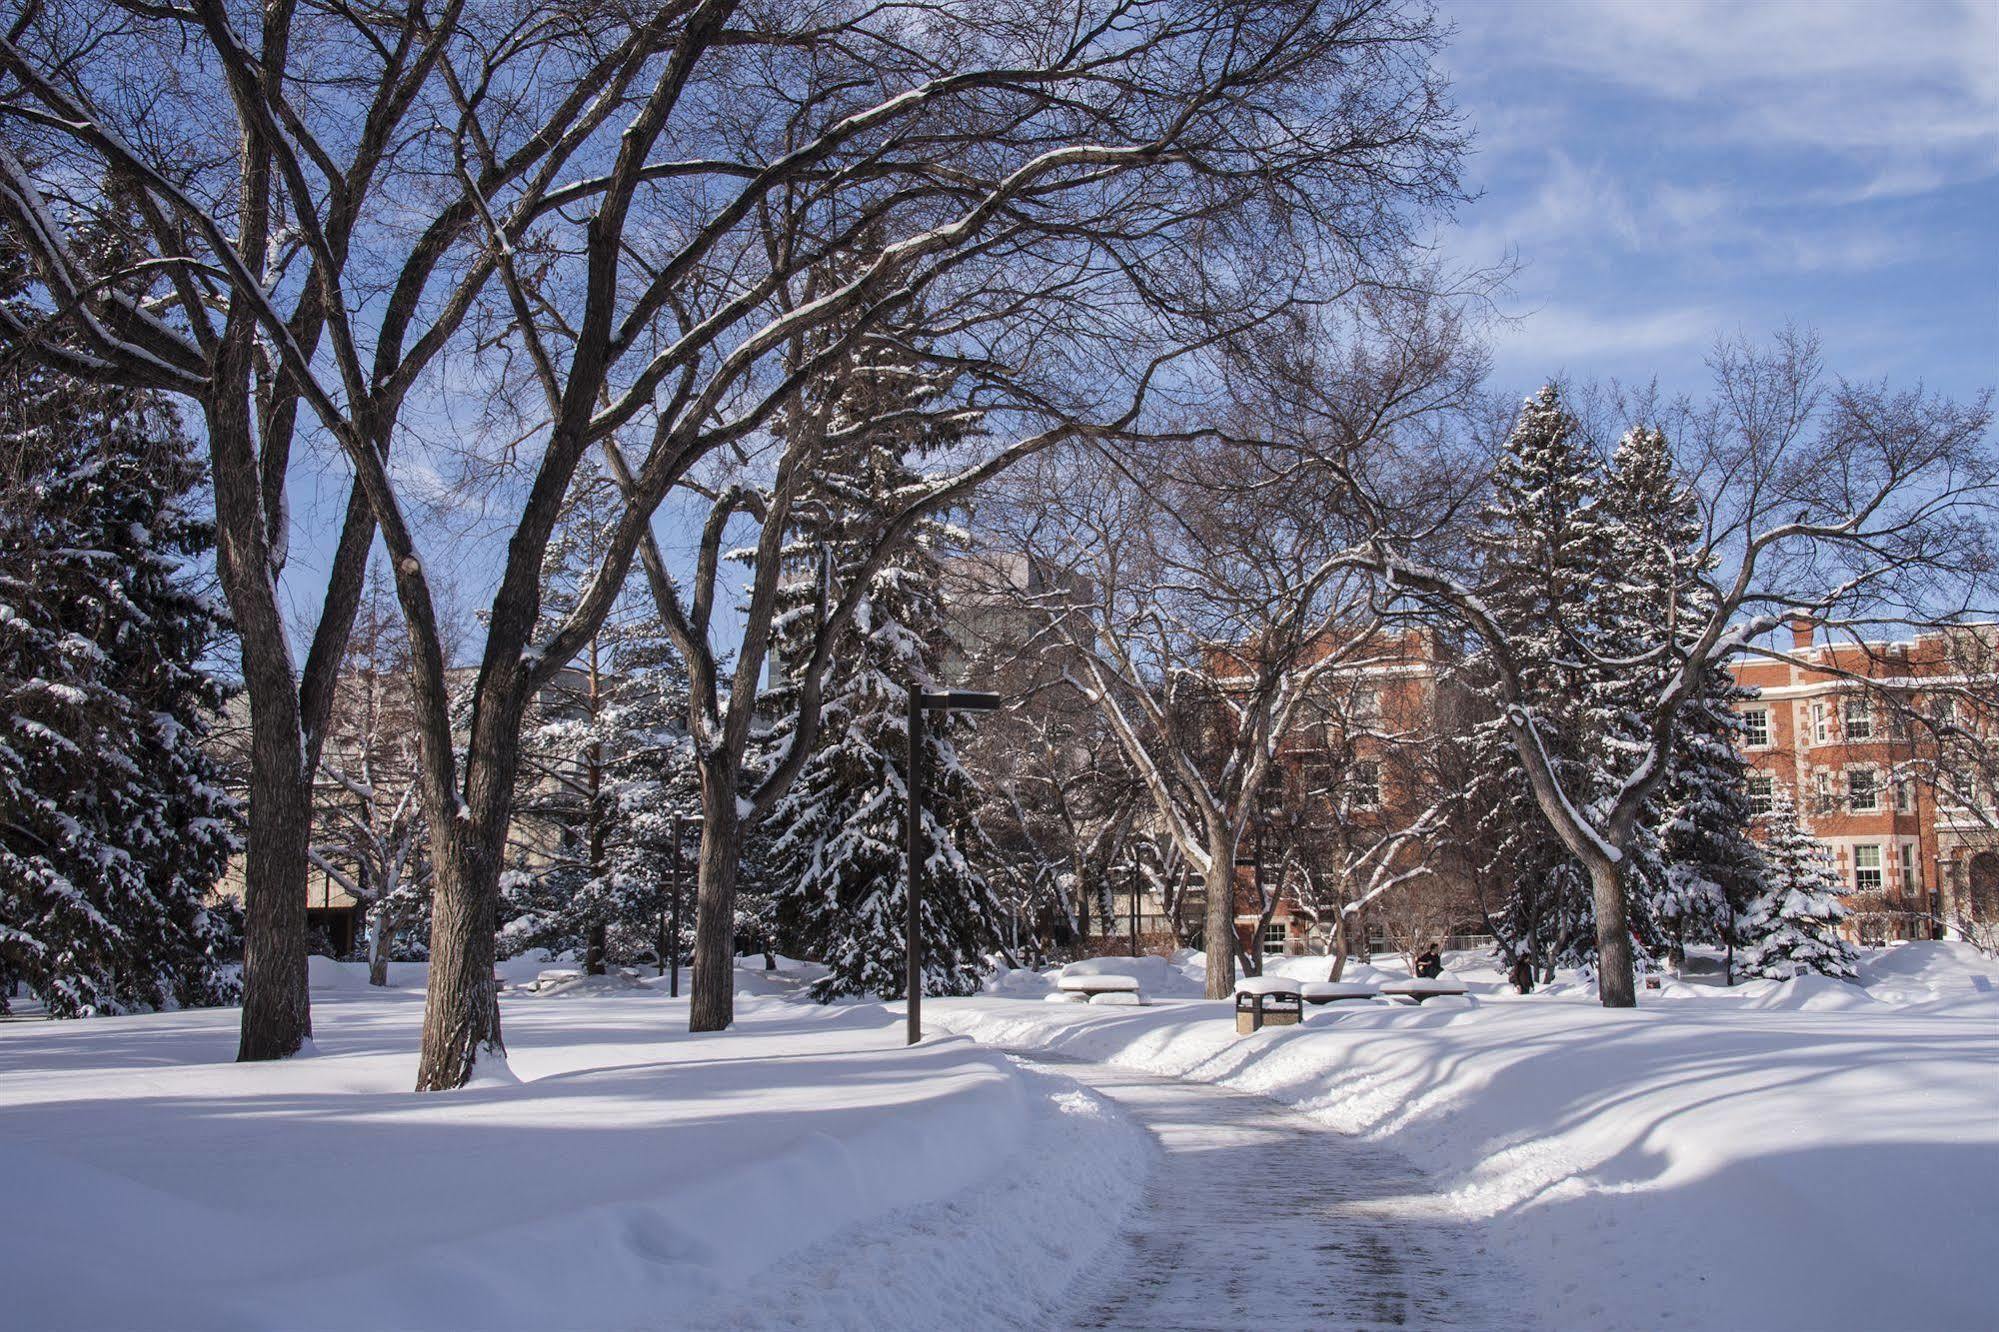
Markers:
<point>922,701</point>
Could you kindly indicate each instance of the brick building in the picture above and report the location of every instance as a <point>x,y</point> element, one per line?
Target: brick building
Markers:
<point>1908,826</point>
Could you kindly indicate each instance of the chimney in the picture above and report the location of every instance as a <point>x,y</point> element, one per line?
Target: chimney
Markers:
<point>1801,633</point>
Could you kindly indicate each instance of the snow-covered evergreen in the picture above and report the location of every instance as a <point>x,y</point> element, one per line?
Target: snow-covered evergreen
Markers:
<point>605,765</point>
<point>1792,928</point>
<point>837,855</point>
<point>1695,865</point>
<point>114,826</point>
<point>1543,538</point>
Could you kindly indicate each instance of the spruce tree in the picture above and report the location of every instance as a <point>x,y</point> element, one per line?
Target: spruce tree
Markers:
<point>1792,928</point>
<point>1546,551</point>
<point>837,854</point>
<point>114,826</point>
<point>1694,860</point>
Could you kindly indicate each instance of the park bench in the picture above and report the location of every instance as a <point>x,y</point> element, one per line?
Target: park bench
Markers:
<point>1332,992</point>
<point>1262,1001</point>
<point>1097,989</point>
<point>1416,991</point>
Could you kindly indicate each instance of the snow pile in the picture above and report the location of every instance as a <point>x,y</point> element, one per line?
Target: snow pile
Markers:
<point>1017,982</point>
<point>1728,1159</point>
<point>1928,973</point>
<point>631,1169</point>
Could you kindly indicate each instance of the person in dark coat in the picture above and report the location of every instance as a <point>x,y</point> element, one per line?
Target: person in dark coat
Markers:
<point>1429,965</point>
<point>1522,975</point>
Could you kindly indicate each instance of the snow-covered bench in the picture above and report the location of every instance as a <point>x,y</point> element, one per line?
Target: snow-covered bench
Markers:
<point>1262,1001</point>
<point>1098,988</point>
<point>1416,991</point>
<point>1331,992</point>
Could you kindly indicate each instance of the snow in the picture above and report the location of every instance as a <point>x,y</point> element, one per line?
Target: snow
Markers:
<point>1097,984</point>
<point>1799,1154</point>
<point>1266,985</point>
<point>615,1168</point>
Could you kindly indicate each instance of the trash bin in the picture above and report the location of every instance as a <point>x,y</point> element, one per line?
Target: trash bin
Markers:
<point>1267,1001</point>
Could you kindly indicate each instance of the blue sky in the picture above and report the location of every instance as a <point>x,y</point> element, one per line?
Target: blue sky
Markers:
<point>1663,172</point>
<point>1667,171</point>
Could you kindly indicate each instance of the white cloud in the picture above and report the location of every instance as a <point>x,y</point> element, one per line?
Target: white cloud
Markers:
<point>1551,339</point>
<point>1910,90</point>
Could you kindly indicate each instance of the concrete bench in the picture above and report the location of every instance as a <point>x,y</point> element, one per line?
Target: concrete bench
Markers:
<point>1332,992</point>
<point>1416,991</point>
<point>1266,1001</point>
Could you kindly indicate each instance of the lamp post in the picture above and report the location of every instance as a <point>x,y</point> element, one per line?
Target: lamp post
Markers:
<point>922,702</point>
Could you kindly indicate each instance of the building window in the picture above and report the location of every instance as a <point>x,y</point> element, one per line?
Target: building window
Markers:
<point>1912,874</point>
<point>1821,724</point>
<point>1366,785</point>
<point>1863,794</point>
<point>1762,792</point>
<point>1866,869</point>
<point>1274,935</point>
<point>1822,801</point>
<point>1366,706</point>
<point>1905,795</point>
<point>1859,719</point>
<point>1756,727</point>
<point>1955,789</point>
<point>1943,711</point>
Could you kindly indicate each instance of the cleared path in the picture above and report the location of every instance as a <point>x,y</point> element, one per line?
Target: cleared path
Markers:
<point>1258,1218</point>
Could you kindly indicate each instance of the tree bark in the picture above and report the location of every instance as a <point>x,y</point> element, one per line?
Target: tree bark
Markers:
<point>1339,947</point>
<point>713,1003</point>
<point>1218,936</point>
<point>380,931</point>
<point>461,1011</point>
<point>1616,986</point>
<point>277,1007</point>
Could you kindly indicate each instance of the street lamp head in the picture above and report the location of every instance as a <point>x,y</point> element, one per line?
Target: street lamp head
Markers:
<point>958,700</point>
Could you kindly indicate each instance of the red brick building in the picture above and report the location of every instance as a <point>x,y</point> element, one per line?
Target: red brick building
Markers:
<point>1914,850</point>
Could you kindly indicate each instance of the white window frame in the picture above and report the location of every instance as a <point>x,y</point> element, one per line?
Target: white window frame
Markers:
<point>1756,728</point>
<point>1912,869</point>
<point>1365,794</point>
<point>1873,805</point>
<point>1366,706</point>
<point>1857,719</point>
<point>1861,885</point>
<point>1822,797</point>
<point>1821,724</point>
<point>1905,795</point>
<point>1277,933</point>
<point>1763,801</point>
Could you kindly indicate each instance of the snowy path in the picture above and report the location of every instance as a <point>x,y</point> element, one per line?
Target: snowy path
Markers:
<point>1260,1218</point>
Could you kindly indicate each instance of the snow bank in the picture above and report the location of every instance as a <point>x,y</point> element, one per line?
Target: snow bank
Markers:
<point>631,1170</point>
<point>1771,1157</point>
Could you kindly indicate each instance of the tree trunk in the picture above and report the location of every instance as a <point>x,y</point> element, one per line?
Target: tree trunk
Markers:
<point>380,932</point>
<point>1339,947</point>
<point>1218,936</point>
<point>1616,984</point>
<point>461,1011</point>
<point>713,1003</point>
<point>593,950</point>
<point>277,1007</point>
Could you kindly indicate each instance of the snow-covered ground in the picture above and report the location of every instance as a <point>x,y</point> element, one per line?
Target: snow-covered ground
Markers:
<point>1810,1154</point>
<point>803,1169</point>
<point>1801,1155</point>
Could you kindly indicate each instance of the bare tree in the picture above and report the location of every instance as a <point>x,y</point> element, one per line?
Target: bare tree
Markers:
<point>1843,503</point>
<point>617,228</point>
<point>369,834</point>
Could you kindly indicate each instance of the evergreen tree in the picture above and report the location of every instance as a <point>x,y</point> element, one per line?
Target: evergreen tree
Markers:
<point>1793,927</point>
<point>837,854</point>
<point>114,826</point>
<point>1694,863</point>
<point>1547,552</point>
<point>605,764</point>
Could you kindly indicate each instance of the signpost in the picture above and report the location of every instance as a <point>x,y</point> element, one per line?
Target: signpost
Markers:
<point>921,703</point>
